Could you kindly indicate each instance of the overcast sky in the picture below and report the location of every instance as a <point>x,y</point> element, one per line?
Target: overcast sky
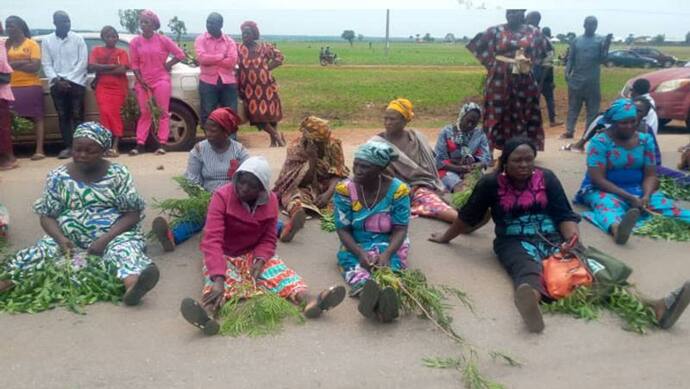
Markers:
<point>323,17</point>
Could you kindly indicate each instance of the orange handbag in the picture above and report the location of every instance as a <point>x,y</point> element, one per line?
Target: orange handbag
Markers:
<point>564,271</point>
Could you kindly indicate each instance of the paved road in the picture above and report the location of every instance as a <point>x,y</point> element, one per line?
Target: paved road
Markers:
<point>152,346</point>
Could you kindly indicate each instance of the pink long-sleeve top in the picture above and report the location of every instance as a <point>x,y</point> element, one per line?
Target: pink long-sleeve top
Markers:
<point>217,58</point>
<point>232,229</point>
<point>150,55</point>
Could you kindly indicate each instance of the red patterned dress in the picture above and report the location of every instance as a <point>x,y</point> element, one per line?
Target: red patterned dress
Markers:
<point>258,89</point>
<point>511,101</point>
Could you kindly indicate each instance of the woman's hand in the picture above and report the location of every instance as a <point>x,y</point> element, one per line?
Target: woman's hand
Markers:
<point>367,260</point>
<point>256,268</point>
<point>66,245</point>
<point>98,246</point>
<point>322,200</point>
<point>216,297</point>
<point>384,259</point>
<point>438,237</point>
<point>645,201</point>
<point>635,202</point>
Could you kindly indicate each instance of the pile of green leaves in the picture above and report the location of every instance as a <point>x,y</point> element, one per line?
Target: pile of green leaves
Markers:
<point>21,126</point>
<point>666,228</point>
<point>469,181</point>
<point>130,110</point>
<point>191,209</point>
<point>63,282</point>
<point>585,303</point>
<point>327,220</point>
<point>260,315</point>
<point>671,188</point>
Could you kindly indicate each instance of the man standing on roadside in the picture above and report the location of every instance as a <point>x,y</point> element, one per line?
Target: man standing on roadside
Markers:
<point>217,56</point>
<point>64,57</point>
<point>543,71</point>
<point>582,72</point>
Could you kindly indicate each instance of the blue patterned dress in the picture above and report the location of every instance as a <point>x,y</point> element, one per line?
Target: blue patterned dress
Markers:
<point>85,212</point>
<point>624,168</point>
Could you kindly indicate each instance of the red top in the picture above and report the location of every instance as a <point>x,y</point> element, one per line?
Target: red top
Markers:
<point>232,230</point>
<point>104,56</point>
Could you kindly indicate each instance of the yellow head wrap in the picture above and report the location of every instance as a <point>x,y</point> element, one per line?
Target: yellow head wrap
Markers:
<point>315,129</point>
<point>404,106</point>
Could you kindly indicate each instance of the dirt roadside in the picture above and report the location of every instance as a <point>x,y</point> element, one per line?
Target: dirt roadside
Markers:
<point>151,346</point>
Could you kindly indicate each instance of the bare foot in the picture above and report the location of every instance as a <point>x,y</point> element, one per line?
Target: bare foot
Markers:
<point>5,285</point>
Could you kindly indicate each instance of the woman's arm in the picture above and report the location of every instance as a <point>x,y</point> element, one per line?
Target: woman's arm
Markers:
<point>123,224</point>
<point>52,228</point>
<point>396,240</point>
<point>26,65</point>
<point>650,183</point>
<point>458,227</point>
<point>346,238</point>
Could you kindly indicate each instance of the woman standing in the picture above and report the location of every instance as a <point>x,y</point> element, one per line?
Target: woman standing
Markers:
<point>151,66</point>
<point>110,64</point>
<point>24,56</point>
<point>7,159</point>
<point>91,204</point>
<point>461,147</point>
<point>511,95</point>
<point>258,88</point>
<point>372,213</point>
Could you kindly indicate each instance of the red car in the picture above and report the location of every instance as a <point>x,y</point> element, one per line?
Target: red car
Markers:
<point>670,89</point>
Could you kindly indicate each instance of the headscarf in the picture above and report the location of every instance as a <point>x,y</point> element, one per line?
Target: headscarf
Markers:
<point>467,108</point>
<point>376,153</point>
<point>403,106</point>
<point>621,109</point>
<point>254,28</point>
<point>226,118</point>
<point>149,15</point>
<point>259,168</point>
<point>96,132</point>
<point>510,146</point>
<point>315,129</point>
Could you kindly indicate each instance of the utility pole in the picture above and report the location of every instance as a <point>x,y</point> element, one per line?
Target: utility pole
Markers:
<point>388,23</point>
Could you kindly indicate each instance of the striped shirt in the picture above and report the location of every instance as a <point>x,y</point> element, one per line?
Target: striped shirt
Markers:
<point>211,169</point>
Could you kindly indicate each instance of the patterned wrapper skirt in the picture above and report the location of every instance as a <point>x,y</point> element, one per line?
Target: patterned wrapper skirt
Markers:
<point>275,277</point>
<point>426,202</point>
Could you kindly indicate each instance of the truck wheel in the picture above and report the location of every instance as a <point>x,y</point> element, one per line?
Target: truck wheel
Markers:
<point>183,124</point>
<point>323,62</point>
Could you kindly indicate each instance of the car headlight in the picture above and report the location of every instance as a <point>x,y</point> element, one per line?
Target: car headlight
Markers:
<point>671,85</point>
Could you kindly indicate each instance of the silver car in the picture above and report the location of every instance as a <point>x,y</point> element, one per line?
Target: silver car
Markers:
<point>184,102</point>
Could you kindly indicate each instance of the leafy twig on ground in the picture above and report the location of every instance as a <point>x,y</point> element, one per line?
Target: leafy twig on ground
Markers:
<point>327,220</point>
<point>673,189</point>
<point>666,228</point>
<point>259,315</point>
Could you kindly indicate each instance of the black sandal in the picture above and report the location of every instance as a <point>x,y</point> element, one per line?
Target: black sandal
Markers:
<point>326,300</point>
<point>196,315</point>
<point>626,226</point>
<point>389,305</point>
<point>672,313</point>
<point>368,298</point>
<point>528,306</point>
<point>147,280</point>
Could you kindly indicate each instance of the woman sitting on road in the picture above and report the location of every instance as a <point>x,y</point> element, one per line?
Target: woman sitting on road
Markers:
<point>416,165</point>
<point>372,212</point>
<point>211,164</point>
<point>621,179</point>
<point>239,247</point>
<point>91,204</point>
<point>313,165</point>
<point>529,207</point>
<point>461,147</point>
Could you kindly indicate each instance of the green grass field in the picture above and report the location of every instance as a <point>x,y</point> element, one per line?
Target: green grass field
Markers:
<point>437,77</point>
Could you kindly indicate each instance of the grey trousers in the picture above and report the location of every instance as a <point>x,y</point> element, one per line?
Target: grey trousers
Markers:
<point>591,97</point>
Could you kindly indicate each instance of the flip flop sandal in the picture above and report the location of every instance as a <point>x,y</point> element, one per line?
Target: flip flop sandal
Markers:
<point>147,280</point>
<point>625,228</point>
<point>37,157</point>
<point>295,224</point>
<point>669,318</point>
<point>389,305</point>
<point>111,154</point>
<point>161,229</point>
<point>528,306</point>
<point>196,315</point>
<point>160,152</point>
<point>326,300</point>
<point>368,298</point>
